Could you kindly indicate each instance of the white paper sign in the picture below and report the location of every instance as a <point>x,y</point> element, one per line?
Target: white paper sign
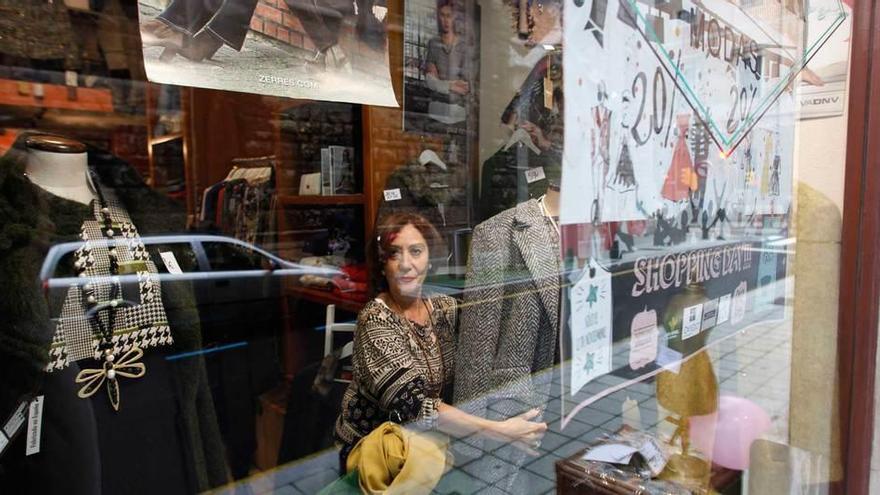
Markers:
<point>643,339</point>
<point>35,426</point>
<point>534,174</point>
<point>171,263</point>
<point>692,321</point>
<point>738,307</point>
<point>18,418</point>
<point>590,325</point>
<point>392,194</point>
<point>723,309</point>
<point>710,314</point>
<point>3,442</point>
<point>70,78</point>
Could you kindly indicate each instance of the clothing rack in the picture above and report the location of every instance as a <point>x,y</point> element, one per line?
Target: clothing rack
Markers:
<point>258,161</point>
<point>242,204</point>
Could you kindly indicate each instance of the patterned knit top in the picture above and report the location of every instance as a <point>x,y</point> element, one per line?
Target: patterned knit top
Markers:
<point>398,374</point>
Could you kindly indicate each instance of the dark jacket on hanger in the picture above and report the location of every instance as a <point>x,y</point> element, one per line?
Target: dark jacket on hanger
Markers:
<point>503,181</point>
<point>509,328</point>
<point>164,438</point>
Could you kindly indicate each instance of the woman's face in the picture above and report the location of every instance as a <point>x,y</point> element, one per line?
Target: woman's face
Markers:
<point>407,263</point>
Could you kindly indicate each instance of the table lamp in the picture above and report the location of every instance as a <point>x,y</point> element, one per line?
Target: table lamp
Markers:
<point>693,391</point>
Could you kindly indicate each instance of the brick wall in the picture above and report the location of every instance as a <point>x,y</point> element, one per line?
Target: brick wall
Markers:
<point>272,18</point>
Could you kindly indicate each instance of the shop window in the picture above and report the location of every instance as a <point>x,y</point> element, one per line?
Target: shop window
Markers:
<point>224,256</point>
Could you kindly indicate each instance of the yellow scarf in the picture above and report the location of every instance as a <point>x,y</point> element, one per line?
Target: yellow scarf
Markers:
<point>392,460</point>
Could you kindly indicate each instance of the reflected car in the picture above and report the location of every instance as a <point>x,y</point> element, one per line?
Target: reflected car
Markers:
<point>237,286</point>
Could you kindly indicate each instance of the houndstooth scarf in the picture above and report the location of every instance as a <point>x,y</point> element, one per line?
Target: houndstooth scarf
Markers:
<point>138,324</point>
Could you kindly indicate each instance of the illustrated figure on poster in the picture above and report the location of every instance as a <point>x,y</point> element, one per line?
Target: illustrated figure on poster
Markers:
<point>700,142</point>
<point>600,135</point>
<point>624,178</point>
<point>774,176</point>
<point>705,227</point>
<point>720,214</point>
<point>447,68</point>
<point>681,178</point>
<point>746,165</point>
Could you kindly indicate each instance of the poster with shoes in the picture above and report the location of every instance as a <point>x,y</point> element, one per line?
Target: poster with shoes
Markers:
<point>331,50</point>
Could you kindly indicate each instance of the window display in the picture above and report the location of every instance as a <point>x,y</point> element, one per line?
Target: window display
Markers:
<point>596,247</point>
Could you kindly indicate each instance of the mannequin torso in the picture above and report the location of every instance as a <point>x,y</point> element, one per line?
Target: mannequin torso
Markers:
<point>59,167</point>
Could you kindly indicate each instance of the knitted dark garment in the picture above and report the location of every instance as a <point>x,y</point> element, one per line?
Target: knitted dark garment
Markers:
<point>31,221</point>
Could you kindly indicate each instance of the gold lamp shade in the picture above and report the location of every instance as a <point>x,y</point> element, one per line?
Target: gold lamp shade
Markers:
<point>693,391</point>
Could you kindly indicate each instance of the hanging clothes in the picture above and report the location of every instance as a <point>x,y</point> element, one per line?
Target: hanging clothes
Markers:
<point>681,178</point>
<point>504,183</point>
<point>601,135</point>
<point>167,416</point>
<point>430,191</point>
<point>241,205</point>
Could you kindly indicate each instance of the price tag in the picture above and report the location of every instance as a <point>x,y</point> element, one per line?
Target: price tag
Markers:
<point>534,174</point>
<point>392,194</point>
<point>35,426</point>
<point>171,263</point>
<point>653,454</point>
<point>692,320</point>
<point>14,423</point>
<point>548,91</point>
<point>710,314</point>
<point>70,78</point>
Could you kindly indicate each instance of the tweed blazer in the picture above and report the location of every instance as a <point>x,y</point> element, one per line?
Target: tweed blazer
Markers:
<point>510,314</point>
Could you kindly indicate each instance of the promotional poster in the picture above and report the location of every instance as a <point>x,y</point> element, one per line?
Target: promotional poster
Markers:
<point>332,50</point>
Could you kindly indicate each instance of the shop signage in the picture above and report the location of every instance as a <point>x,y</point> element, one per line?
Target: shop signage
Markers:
<point>730,60</point>
<point>738,288</point>
<point>684,102</point>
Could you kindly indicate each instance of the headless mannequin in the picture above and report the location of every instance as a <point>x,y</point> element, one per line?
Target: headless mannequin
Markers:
<point>551,201</point>
<point>59,166</point>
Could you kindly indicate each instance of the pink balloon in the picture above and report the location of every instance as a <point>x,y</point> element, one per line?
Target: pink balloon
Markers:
<point>729,432</point>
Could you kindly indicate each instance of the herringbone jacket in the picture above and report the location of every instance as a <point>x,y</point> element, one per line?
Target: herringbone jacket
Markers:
<point>510,315</point>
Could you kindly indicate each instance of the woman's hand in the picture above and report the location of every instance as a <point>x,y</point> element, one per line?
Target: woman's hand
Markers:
<point>459,87</point>
<point>520,431</point>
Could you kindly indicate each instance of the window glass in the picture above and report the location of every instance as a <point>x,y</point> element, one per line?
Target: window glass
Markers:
<point>227,256</point>
<point>520,230</point>
<point>182,254</point>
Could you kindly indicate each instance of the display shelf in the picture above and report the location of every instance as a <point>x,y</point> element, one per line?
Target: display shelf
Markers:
<point>323,297</point>
<point>338,199</point>
<point>45,95</point>
<point>166,138</point>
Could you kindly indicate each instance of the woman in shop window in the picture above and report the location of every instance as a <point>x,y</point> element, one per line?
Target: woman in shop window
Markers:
<point>404,348</point>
